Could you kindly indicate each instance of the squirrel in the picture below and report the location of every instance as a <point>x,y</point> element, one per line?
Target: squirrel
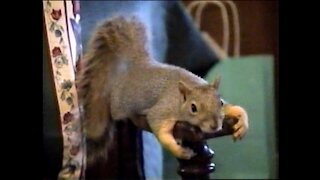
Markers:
<point>119,80</point>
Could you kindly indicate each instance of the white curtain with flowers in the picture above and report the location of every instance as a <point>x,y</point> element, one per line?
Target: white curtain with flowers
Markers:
<point>63,32</point>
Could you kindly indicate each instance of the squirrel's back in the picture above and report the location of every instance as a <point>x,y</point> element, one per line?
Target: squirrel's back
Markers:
<point>142,86</point>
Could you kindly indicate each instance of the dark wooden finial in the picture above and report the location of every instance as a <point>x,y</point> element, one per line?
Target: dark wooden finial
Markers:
<point>199,166</point>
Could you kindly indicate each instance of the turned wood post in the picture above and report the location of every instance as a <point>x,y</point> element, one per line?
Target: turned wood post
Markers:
<point>200,166</point>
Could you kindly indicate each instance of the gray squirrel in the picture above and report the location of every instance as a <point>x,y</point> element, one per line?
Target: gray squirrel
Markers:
<point>119,80</point>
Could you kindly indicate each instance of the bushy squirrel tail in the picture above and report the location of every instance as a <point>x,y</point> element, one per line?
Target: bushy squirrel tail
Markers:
<point>116,41</point>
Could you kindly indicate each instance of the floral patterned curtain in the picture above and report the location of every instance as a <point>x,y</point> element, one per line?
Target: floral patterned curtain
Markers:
<point>63,32</point>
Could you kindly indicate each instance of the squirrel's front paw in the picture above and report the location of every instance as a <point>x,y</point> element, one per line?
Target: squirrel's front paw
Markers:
<point>184,153</point>
<point>242,125</point>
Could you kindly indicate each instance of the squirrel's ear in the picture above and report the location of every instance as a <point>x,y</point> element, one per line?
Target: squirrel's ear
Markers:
<point>216,82</point>
<point>184,89</point>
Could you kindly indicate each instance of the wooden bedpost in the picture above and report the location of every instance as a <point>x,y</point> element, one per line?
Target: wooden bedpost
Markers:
<point>201,165</point>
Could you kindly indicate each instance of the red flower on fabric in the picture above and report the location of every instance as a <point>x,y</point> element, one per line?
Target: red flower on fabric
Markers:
<point>74,150</point>
<point>67,117</point>
<point>56,51</point>
<point>56,14</point>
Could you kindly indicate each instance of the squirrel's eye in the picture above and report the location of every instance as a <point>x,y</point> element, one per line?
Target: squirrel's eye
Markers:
<point>193,108</point>
<point>222,102</point>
